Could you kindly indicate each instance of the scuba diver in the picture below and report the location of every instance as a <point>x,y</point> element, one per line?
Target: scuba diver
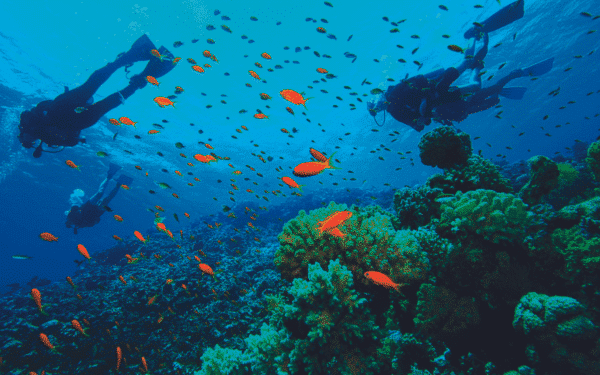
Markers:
<point>88,214</point>
<point>417,100</point>
<point>59,122</point>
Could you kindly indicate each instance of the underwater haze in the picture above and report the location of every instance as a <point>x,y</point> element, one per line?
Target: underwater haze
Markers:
<point>274,187</point>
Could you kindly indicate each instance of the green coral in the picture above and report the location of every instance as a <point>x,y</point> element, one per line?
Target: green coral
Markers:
<point>593,159</point>
<point>476,173</point>
<point>567,174</point>
<point>444,147</point>
<point>415,207</point>
<point>221,361</point>
<point>581,254</point>
<point>440,313</point>
<point>495,216</point>
<point>324,327</point>
<point>370,244</point>
<point>543,178</point>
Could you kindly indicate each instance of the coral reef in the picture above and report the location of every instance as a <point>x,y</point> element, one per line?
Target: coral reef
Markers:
<point>543,178</point>
<point>593,159</point>
<point>444,147</point>
<point>415,207</point>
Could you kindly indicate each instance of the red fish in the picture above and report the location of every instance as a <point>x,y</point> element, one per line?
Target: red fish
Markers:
<point>293,97</point>
<point>333,220</point>
<point>83,251</point>
<point>313,168</point>
<point>381,279</point>
<point>291,183</point>
<point>48,237</point>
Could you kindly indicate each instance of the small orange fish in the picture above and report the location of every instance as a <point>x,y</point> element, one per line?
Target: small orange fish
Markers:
<point>156,54</point>
<point>191,61</point>
<point>321,70</point>
<point>83,251</point>
<point>317,155</point>
<point>144,364</point>
<point>207,66</point>
<point>118,218</point>
<point>321,30</point>
<point>127,121</point>
<point>289,110</point>
<point>70,281</point>
<point>260,116</point>
<point>152,80</point>
<point>125,187</point>
<point>237,172</point>
<point>291,183</point>
<point>381,279</point>
<point>258,65</point>
<point>153,298</point>
<point>178,173</point>
<point>266,55</point>
<point>333,220</point>
<point>284,130</point>
<point>264,96</point>
<point>176,60</point>
<point>214,58</point>
<point>455,48</point>
<point>208,146</point>
<point>161,227</point>
<point>206,54</point>
<point>179,89</point>
<point>117,237</point>
<point>253,74</point>
<point>153,131</point>
<point>139,236</point>
<point>119,354</point>
<point>205,268</point>
<point>313,168</point>
<point>293,97</point>
<point>244,127</point>
<point>175,195</point>
<point>122,279</point>
<point>162,101</point>
<point>114,122</point>
<point>75,324</point>
<point>48,237</point>
<point>46,342</point>
<point>37,298</point>
<point>138,167</point>
<point>72,165</point>
<point>198,68</point>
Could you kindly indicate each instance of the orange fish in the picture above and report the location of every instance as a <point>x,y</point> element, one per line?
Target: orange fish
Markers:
<point>144,364</point>
<point>178,173</point>
<point>214,58</point>
<point>139,236</point>
<point>336,233</point>
<point>313,168</point>
<point>321,70</point>
<point>122,279</point>
<point>179,89</point>
<point>293,97</point>
<point>333,220</point>
<point>152,80</point>
<point>125,187</point>
<point>169,233</point>
<point>264,96</point>
<point>253,74</point>
<point>117,237</point>
<point>176,60</point>
<point>237,172</point>
<point>291,183</point>
<point>191,61</point>
<point>159,208</point>
<point>153,298</point>
<point>284,130</point>
<point>266,55</point>
<point>198,68</point>
<point>75,324</point>
<point>127,121</point>
<point>119,354</point>
<point>161,227</point>
<point>381,279</point>
<point>206,54</point>
<point>153,131</point>
<point>455,48</point>
<point>156,54</point>
<point>260,115</point>
<point>317,155</point>
<point>37,298</point>
<point>321,30</point>
<point>46,342</point>
<point>83,251</point>
<point>72,165</point>
<point>205,268</point>
<point>162,101</point>
<point>208,146</point>
<point>138,167</point>
<point>289,110</point>
<point>114,122</point>
<point>258,65</point>
<point>48,237</point>
<point>70,281</point>
<point>118,218</point>
<point>207,66</point>
<point>175,195</point>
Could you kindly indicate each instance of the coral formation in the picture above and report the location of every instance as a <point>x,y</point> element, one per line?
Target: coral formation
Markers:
<point>593,159</point>
<point>543,178</point>
<point>444,147</point>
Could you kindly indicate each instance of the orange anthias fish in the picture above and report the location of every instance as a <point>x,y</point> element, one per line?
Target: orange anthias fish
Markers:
<point>75,324</point>
<point>289,110</point>
<point>206,54</point>
<point>72,165</point>
<point>122,279</point>
<point>333,220</point>
<point>176,60</point>
<point>70,281</point>
<point>118,218</point>
<point>336,232</point>
<point>83,251</point>
<point>162,101</point>
<point>161,227</point>
<point>144,364</point>
<point>119,354</point>
<point>455,48</point>
<point>198,68</point>
<point>152,80</point>
<point>114,122</point>
<point>205,268</point>
<point>153,131</point>
<point>266,55</point>
<point>321,70</point>
<point>293,97</point>
<point>117,237</point>
<point>156,54</point>
<point>253,74</point>
<point>152,299</point>
<point>139,236</point>
<point>37,298</point>
<point>46,342</point>
<point>317,155</point>
<point>48,237</point>
<point>381,279</point>
<point>291,183</point>
<point>313,168</point>
<point>127,121</point>
<point>260,116</point>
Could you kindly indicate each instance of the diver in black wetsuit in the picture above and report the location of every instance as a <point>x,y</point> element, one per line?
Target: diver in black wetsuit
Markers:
<point>59,122</point>
<point>89,213</point>
<point>417,100</point>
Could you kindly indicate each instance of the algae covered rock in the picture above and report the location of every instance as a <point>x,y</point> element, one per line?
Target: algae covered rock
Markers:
<point>593,159</point>
<point>544,175</point>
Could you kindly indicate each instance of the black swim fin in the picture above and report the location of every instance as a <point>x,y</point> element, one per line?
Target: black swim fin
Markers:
<point>112,170</point>
<point>501,18</point>
<point>140,51</point>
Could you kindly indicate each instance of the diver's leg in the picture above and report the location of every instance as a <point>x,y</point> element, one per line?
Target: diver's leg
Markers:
<point>110,196</point>
<point>94,199</point>
<point>483,104</point>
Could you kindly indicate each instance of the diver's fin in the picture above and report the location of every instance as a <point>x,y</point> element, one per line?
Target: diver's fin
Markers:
<point>140,51</point>
<point>112,170</point>
<point>159,67</point>
<point>124,180</point>
<point>501,18</point>
<point>540,68</point>
<point>515,93</point>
